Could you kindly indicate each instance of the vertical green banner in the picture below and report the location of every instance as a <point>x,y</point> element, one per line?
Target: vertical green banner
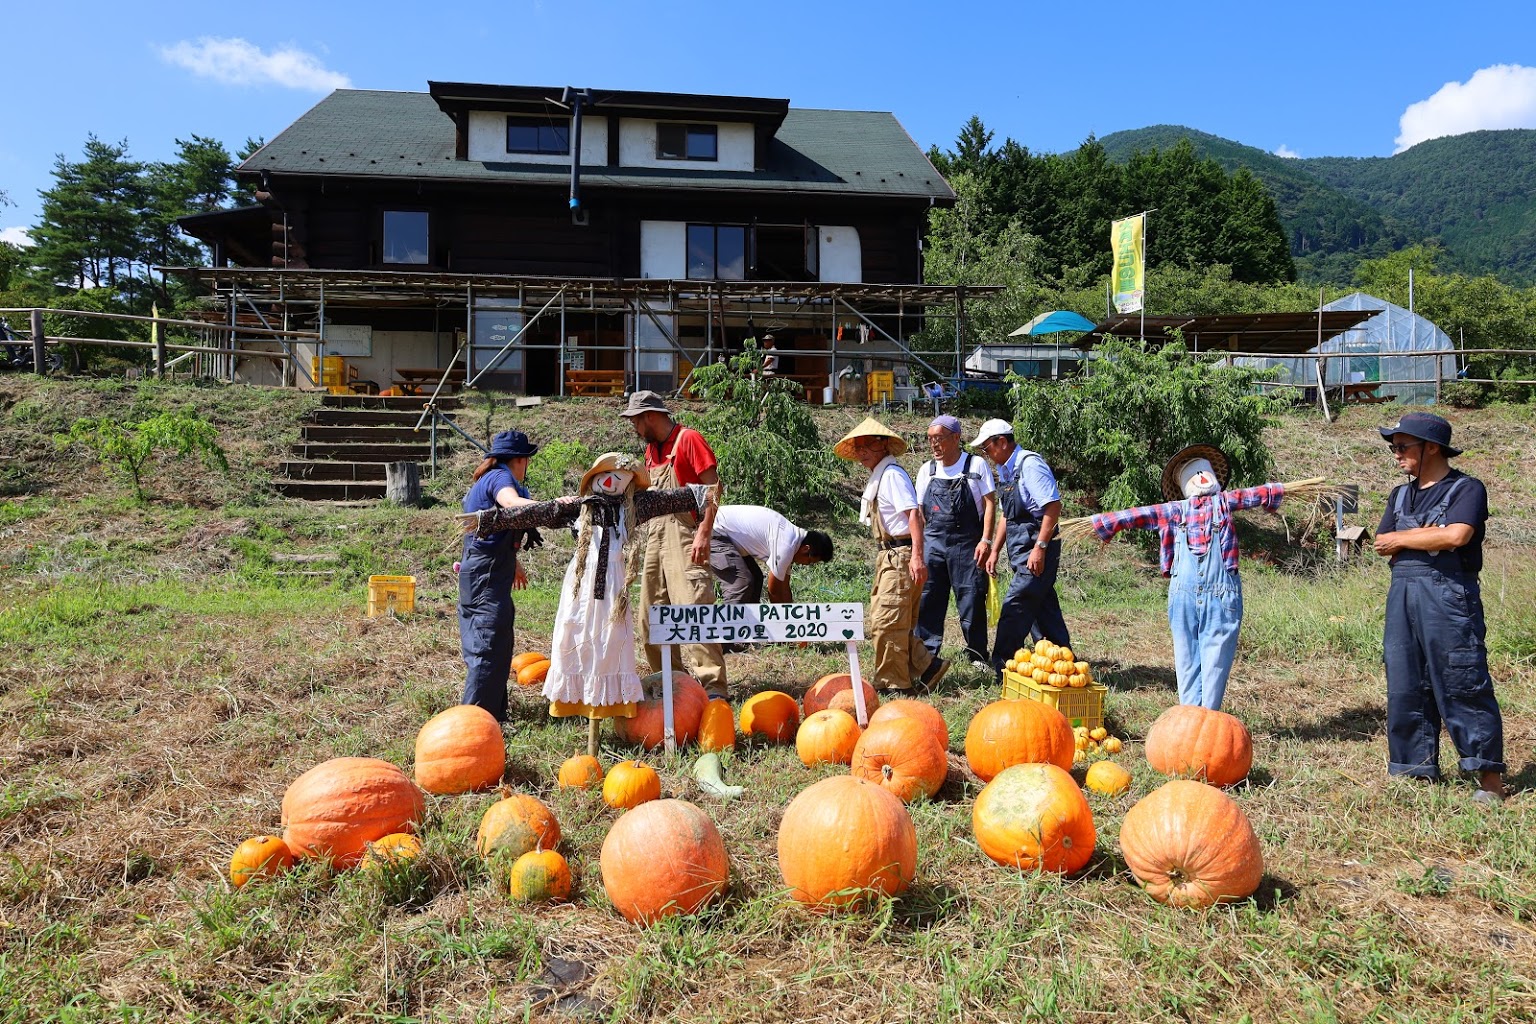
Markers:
<point>1128,240</point>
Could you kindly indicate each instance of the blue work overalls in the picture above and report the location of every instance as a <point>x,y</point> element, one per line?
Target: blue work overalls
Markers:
<point>1434,648</point>
<point>1031,603</point>
<point>1205,611</point>
<point>950,536</point>
<point>486,612</point>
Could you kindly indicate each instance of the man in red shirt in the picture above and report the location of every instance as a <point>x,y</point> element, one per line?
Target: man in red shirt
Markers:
<point>677,548</point>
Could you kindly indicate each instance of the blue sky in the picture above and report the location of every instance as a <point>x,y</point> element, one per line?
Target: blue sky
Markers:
<point>1304,78</point>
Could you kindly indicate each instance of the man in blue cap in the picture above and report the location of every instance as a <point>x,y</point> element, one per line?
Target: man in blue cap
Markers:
<point>488,573</point>
<point>1435,637</point>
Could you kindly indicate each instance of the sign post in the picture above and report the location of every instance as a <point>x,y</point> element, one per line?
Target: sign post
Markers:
<point>756,624</point>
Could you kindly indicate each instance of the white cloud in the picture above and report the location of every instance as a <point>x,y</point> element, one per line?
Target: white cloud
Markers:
<point>1499,96</point>
<point>16,236</point>
<point>1286,152</point>
<point>238,62</point>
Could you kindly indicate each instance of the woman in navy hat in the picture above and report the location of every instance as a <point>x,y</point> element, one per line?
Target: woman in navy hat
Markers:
<point>488,573</point>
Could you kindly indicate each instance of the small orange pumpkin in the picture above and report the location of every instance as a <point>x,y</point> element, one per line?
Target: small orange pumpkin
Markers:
<point>259,857</point>
<point>630,784</point>
<point>522,661</point>
<point>648,726</point>
<point>1034,816</point>
<point>533,673</point>
<point>836,690</point>
<point>827,737</point>
<point>392,851</point>
<point>1010,732</point>
<point>583,771</point>
<point>663,858</point>
<point>516,824</point>
<point>923,712</point>
<point>1108,778</point>
<point>340,806</point>
<point>717,727</point>
<point>460,750</point>
<point>772,715</point>
<point>901,755</point>
<point>843,839</point>
<point>1190,845</point>
<point>540,876</point>
<point>1193,741</point>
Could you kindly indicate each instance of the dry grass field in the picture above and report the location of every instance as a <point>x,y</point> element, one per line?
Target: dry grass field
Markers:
<point>164,677</point>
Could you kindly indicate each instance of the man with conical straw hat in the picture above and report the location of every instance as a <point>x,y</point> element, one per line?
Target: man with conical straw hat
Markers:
<point>889,506</point>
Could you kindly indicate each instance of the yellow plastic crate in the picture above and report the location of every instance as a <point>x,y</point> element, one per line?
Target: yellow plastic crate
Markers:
<point>1082,705</point>
<point>391,595</point>
<point>880,384</point>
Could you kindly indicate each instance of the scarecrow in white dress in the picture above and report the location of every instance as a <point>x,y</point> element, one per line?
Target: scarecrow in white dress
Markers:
<point>592,664</point>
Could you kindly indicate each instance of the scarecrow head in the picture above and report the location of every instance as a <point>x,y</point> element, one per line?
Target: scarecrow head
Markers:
<point>1200,469</point>
<point>614,473</point>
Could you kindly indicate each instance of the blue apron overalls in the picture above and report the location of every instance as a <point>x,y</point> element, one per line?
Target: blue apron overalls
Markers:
<point>1205,611</point>
<point>950,536</point>
<point>1031,604</point>
<point>486,612</point>
<point>1434,648</point>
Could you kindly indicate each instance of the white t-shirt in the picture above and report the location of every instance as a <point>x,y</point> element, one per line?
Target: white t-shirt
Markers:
<point>980,487</point>
<point>763,534</point>
<point>895,498</point>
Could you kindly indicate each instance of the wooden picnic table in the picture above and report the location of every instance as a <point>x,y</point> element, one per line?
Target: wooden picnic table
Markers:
<point>413,380</point>
<point>594,382</point>
<point>1364,393</point>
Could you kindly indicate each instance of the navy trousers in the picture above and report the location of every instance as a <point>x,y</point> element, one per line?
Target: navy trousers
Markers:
<point>486,617</point>
<point>1030,606</point>
<point>1436,658</point>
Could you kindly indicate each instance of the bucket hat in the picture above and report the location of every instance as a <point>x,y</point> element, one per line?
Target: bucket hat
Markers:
<point>1209,452</point>
<point>615,461</point>
<point>1426,427</point>
<point>643,402</point>
<point>871,427</point>
<point>512,444</point>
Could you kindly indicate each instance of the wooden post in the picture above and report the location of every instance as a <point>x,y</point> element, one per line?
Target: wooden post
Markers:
<point>403,483</point>
<point>157,335</point>
<point>39,349</point>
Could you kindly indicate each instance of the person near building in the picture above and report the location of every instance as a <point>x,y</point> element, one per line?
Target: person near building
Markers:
<point>677,548</point>
<point>1435,638</point>
<point>745,538</point>
<point>955,490</point>
<point>1029,507</point>
<point>489,572</point>
<point>770,357</point>
<point>890,508</point>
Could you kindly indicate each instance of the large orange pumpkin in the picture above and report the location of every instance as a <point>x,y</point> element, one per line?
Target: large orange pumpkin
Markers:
<point>771,715</point>
<point>1193,741</point>
<point>836,690</point>
<point>901,755</point>
<point>581,771</point>
<point>1010,732</point>
<point>522,661</point>
<point>459,750</point>
<point>340,806</point>
<point>906,707</point>
<point>259,857</point>
<point>663,858</point>
<point>1033,816</point>
<point>516,824</point>
<point>647,728</point>
<point>1190,845</point>
<point>827,737</point>
<point>717,727</point>
<point>630,784</point>
<point>842,839</point>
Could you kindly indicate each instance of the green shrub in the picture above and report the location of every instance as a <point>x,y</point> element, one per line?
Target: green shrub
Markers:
<point>556,468</point>
<point>1464,394</point>
<point>131,448</point>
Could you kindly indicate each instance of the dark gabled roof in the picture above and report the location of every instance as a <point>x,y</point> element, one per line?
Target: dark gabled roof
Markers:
<point>404,135</point>
<point>1277,333</point>
<point>454,97</point>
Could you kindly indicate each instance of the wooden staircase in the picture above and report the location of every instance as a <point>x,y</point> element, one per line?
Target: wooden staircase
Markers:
<point>349,439</point>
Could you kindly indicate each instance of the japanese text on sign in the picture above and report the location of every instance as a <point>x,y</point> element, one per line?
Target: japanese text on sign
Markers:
<point>755,623</point>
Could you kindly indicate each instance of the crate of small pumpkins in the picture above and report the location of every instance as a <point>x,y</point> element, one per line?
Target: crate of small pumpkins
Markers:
<point>1053,675</point>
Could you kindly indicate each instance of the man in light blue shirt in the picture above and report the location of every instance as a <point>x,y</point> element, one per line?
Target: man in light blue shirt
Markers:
<point>1030,504</point>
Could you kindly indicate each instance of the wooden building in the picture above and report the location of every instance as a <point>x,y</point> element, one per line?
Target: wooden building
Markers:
<point>554,240</point>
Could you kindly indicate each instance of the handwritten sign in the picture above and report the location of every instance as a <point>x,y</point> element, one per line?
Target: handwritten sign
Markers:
<point>755,623</point>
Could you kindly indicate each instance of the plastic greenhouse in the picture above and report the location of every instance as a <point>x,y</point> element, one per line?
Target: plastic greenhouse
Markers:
<point>1407,378</point>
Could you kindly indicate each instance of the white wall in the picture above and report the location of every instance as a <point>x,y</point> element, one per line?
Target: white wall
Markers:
<point>664,249</point>
<point>842,258</point>
<point>734,144</point>
<point>488,141</point>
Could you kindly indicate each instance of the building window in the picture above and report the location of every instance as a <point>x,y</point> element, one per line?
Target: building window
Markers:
<point>717,252</point>
<point>405,236</point>
<point>535,135</point>
<point>687,142</point>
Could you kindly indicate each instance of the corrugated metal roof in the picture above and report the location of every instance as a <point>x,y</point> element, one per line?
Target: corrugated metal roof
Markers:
<point>404,135</point>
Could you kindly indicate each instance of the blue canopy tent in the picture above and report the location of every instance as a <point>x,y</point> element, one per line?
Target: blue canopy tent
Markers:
<point>1054,322</point>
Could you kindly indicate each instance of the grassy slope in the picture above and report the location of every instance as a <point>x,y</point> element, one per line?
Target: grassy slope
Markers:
<point>162,682</point>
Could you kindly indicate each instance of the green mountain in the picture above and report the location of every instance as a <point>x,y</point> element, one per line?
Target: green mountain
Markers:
<point>1475,194</point>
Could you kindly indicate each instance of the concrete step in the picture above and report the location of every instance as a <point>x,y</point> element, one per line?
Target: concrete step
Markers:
<point>401,402</point>
<point>364,451</point>
<point>367,433</point>
<point>366,418</point>
<point>329,470</point>
<point>329,490</point>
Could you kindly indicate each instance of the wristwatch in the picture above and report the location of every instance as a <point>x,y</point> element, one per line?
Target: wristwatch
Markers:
<point>1042,544</point>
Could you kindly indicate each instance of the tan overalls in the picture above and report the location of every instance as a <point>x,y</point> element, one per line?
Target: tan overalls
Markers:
<point>900,656</point>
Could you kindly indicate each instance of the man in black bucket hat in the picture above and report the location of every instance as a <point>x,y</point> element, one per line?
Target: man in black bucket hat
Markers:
<point>1434,644</point>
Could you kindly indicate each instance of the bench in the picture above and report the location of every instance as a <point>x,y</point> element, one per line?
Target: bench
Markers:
<point>594,382</point>
<point>1364,393</point>
<point>416,380</point>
